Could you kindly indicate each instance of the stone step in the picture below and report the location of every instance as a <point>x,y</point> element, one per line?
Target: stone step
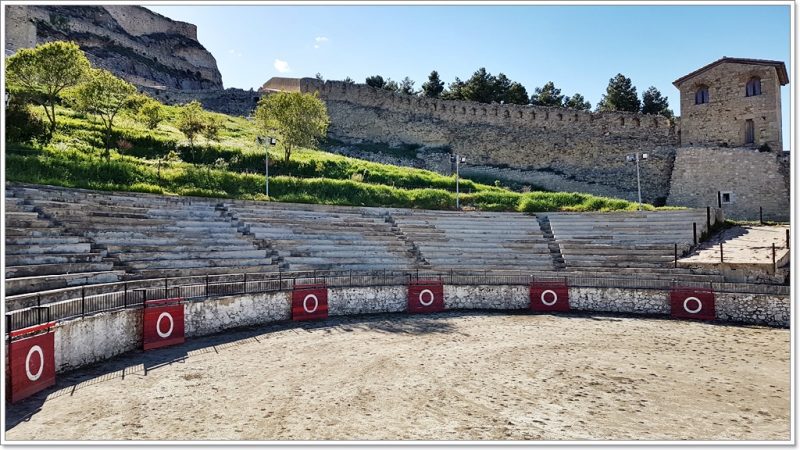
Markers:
<point>48,248</point>
<point>44,240</point>
<point>235,246</point>
<point>32,270</point>
<point>310,260</point>
<point>193,263</point>
<point>603,263</point>
<point>171,240</point>
<point>199,271</point>
<point>52,258</point>
<point>22,222</point>
<point>34,231</point>
<point>46,282</point>
<point>188,255</point>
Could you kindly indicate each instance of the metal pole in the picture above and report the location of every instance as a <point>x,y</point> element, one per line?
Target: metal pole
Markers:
<point>708,219</point>
<point>458,204</point>
<point>266,167</point>
<point>638,181</point>
<point>719,199</point>
<point>694,231</point>
<point>676,255</point>
<point>787,238</point>
<point>721,255</point>
<point>774,265</point>
<point>761,215</point>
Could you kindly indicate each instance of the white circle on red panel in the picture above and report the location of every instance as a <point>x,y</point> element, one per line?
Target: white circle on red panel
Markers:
<point>545,302</point>
<point>31,376</point>
<point>158,325</point>
<point>305,303</point>
<point>429,295</point>
<point>695,310</point>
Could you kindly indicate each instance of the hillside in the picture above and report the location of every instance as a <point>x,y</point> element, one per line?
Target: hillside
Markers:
<point>161,161</point>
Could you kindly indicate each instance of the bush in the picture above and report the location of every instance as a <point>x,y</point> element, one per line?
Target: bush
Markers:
<point>23,126</point>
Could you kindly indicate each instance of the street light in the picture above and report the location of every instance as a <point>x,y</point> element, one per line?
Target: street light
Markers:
<point>459,160</point>
<point>636,157</point>
<point>268,142</point>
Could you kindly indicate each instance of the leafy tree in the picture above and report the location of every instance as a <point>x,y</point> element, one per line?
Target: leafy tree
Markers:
<point>620,96</point>
<point>103,95</point>
<point>211,130</point>
<point>455,90</point>
<point>376,81</point>
<point>407,87</point>
<point>391,85</point>
<point>577,102</point>
<point>45,71</point>
<point>300,119</point>
<point>192,122</point>
<point>654,103</point>
<point>349,80</point>
<point>547,95</point>
<point>516,94</point>
<point>151,113</point>
<point>434,86</point>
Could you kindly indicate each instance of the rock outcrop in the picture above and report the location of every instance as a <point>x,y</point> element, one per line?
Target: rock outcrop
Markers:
<point>143,47</point>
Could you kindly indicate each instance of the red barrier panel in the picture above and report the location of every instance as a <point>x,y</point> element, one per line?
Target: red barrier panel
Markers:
<point>163,323</point>
<point>549,297</point>
<point>692,303</point>
<point>309,302</point>
<point>33,365</point>
<point>425,296</point>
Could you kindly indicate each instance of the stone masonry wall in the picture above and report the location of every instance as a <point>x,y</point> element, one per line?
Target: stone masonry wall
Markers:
<point>721,121</point>
<point>580,146</point>
<point>81,342</point>
<point>754,178</point>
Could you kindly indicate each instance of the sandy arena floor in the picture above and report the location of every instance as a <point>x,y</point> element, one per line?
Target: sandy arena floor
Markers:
<point>477,376</point>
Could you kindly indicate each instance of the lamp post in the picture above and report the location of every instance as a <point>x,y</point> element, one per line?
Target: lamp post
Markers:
<point>268,142</point>
<point>459,160</point>
<point>7,99</point>
<point>636,157</point>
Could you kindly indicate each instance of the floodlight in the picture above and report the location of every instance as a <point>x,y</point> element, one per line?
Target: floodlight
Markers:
<point>644,155</point>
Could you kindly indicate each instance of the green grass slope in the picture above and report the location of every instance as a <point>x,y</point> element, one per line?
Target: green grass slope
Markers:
<point>160,161</point>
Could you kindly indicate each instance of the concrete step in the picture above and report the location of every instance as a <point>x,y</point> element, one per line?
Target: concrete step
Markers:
<point>199,271</point>
<point>46,282</point>
<point>604,263</point>
<point>194,263</point>
<point>180,255</point>
<point>53,258</point>
<point>33,270</point>
<point>48,248</point>
<point>310,260</point>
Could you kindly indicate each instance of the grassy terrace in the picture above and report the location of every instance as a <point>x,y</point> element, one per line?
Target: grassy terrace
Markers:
<point>161,161</point>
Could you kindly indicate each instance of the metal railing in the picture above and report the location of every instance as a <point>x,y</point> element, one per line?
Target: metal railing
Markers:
<point>127,295</point>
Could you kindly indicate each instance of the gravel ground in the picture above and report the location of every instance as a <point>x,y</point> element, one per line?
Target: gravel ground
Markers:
<point>452,376</point>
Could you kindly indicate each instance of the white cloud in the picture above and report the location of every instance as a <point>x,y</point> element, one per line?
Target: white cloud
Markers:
<point>235,52</point>
<point>320,40</point>
<point>281,66</point>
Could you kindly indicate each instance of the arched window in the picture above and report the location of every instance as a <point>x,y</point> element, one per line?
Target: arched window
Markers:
<point>701,96</point>
<point>753,87</point>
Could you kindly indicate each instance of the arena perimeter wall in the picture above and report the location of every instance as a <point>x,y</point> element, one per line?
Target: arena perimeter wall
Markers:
<point>81,342</point>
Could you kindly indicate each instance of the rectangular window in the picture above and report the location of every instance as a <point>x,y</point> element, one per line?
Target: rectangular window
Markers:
<point>727,197</point>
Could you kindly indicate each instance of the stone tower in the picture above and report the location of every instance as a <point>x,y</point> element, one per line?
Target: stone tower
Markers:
<point>733,102</point>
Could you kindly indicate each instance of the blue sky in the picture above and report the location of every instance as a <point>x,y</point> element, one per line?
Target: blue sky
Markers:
<point>578,47</point>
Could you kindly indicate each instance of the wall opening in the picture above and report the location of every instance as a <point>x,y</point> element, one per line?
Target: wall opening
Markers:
<point>749,132</point>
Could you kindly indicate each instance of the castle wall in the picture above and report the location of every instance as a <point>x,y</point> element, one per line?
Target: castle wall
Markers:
<point>754,179</point>
<point>721,121</point>
<point>584,147</point>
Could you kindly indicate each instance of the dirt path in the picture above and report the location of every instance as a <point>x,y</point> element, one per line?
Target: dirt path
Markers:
<point>481,376</point>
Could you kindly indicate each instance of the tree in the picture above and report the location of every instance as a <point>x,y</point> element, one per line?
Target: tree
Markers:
<point>654,103</point>
<point>192,122</point>
<point>319,77</point>
<point>407,87</point>
<point>516,94</point>
<point>300,119</point>
<point>211,130</point>
<point>150,113</point>
<point>577,102</point>
<point>455,90</point>
<point>434,86</point>
<point>480,87</point>
<point>45,71</point>
<point>391,85</point>
<point>103,95</point>
<point>620,96</point>
<point>547,95</point>
<point>349,80</point>
<point>376,81</point>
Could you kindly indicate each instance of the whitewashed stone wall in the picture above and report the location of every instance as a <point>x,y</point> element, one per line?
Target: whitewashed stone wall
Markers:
<point>367,300</point>
<point>486,297</point>
<point>757,309</point>
<point>636,301</point>
<point>96,338</point>
<point>222,313</point>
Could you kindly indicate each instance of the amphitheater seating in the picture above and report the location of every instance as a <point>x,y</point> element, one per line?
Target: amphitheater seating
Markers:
<point>41,255</point>
<point>154,237</point>
<point>311,237</point>
<point>600,241</point>
<point>475,240</point>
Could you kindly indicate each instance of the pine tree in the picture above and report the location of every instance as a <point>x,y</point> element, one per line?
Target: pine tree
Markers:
<point>577,102</point>
<point>547,95</point>
<point>434,86</point>
<point>654,103</point>
<point>620,96</point>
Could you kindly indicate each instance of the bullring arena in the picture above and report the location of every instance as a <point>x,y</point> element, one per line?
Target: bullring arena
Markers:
<point>382,323</point>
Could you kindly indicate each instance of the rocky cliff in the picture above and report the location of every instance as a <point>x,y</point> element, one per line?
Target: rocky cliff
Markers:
<point>143,47</point>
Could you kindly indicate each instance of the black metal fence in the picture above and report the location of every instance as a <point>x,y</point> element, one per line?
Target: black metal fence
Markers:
<point>132,295</point>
